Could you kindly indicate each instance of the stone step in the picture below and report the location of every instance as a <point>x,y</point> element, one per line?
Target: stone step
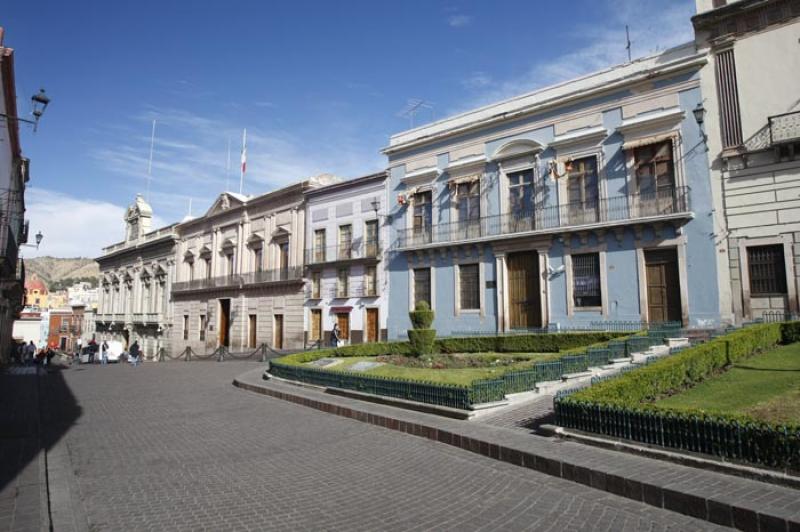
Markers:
<point>659,350</point>
<point>677,342</point>
<point>574,376</point>
<point>622,360</point>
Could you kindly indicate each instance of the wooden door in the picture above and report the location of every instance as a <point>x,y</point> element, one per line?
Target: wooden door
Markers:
<point>278,344</point>
<point>372,325</point>
<point>524,302</point>
<point>252,328</point>
<point>343,319</point>
<point>224,321</point>
<point>316,324</point>
<point>663,286</point>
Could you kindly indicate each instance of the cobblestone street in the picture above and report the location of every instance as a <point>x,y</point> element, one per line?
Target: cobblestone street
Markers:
<point>176,447</point>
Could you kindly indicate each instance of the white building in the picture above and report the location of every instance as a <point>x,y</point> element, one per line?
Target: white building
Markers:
<point>83,293</point>
<point>29,327</point>
<point>345,266</point>
<point>751,86</point>
<point>136,278</point>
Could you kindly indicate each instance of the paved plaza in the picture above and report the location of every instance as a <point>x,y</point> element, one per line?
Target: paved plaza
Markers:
<point>175,446</point>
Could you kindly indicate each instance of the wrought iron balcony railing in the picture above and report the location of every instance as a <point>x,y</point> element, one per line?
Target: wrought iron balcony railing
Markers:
<point>240,280</point>
<point>358,249</point>
<point>146,317</point>
<point>784,128</point>
<point>665,202</point>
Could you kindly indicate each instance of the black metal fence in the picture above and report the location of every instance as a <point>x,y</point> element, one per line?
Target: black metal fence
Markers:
<point>262,353</point>
<point>670,327</point>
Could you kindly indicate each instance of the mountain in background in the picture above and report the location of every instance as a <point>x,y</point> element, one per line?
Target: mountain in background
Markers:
<point>60,273</point>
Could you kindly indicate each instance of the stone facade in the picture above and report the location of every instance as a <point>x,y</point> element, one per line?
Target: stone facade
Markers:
<point>136,278</point>
<point>346,280</point>
<point>240,273</point>
<point>753,129</point>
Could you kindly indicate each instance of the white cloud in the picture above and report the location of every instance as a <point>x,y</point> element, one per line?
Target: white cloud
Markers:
<point>477,80</point>
<point>597,47</point>
<point>458,21</point>
<point>73,227</point>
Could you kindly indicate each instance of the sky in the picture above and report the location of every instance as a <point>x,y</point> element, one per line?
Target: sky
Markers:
<point>320,87</point>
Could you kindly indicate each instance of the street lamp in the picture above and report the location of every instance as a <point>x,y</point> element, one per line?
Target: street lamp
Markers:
<point>40,102</point>
<point>39,237</point>
<point>699,113</point>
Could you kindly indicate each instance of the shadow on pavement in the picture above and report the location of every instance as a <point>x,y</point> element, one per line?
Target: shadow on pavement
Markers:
<point>35,412</point>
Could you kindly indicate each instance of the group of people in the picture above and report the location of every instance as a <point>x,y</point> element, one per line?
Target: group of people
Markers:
<point>28,354</point>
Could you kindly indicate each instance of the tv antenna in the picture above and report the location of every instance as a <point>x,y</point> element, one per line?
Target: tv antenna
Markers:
<point>628,42</point>
<point>413,107</point>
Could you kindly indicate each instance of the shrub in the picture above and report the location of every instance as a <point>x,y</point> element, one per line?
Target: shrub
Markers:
<point>421,316</point>
<point>526,343</point>
<point>790,332</point>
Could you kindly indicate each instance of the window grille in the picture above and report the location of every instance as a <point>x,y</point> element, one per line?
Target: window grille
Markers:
<point>767,270</point>
<point>422,285</point>
<point>728,94</point>
<point>469,284</point>
<point>586,280</point>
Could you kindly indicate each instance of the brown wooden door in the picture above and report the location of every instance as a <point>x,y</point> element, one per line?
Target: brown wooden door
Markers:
<point>343,319</point>
<point>372,325</point>
<point>224,321</point>
<point>663,285</point>
<point>252,328</point>
<point>316,324</point>
<point>524,303</point>
<point>278,331</point>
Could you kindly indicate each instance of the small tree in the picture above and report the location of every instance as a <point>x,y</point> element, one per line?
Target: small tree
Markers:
<point>421,336</point>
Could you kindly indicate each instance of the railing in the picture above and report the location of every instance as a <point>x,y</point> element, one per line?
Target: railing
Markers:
<point>252,278</point>
<point>359,249</point>
<point>664,202</point>
<point>146,317</point>
<point>147,237</point>
<point>784,128</point>
<point>10,250</point>
<point>353,290</point>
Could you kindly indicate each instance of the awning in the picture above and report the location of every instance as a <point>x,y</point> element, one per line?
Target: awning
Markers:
<point>336,310</point>
<point>646,141</point>
<point>464,179</point>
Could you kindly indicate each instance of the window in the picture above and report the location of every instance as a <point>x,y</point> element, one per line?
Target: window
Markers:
<point>582,190</point>
<point>468,204</point>
<point>315,285</point>
<point>423,217</point>
<point>586,280</point>
<point>283,250</point>
<point>371,238</point>
<point>767,269</point>
<point>252,331</point>
<point>230,263</point>
<point>319,245</point>
<point>202,325</point>
<point>345,241</point>
<point>258,259</point>
<point>190,270</point>
<point>728,96</point>
<point>422,285</point>
<point>316,325</point>
<point>185,326</point>
<point>341,282</point>
<point>469,287</point>
<point>520,201</point>
<point>207,261</point>
<point>654,168</point>
<point>371,281</point>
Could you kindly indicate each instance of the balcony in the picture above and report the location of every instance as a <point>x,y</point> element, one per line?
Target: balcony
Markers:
<point>663,205</point>
<point>146,317</point>
<point>354,290</point>
<point>785,128</point>
<point>282,275</point>
<point>357,250</point>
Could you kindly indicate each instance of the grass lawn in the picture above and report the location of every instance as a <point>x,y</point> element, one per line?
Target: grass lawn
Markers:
<point>460,376</point>
<point>766,387</point>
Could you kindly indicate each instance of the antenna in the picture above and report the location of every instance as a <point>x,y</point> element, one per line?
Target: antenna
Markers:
<point>413,107</point>
<point>150,160</point>
<point>228,167</point>
<point>628,42</point>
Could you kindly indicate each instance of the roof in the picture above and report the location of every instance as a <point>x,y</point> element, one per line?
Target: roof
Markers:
<point>664,62</point>
<point>358,181</point>
<point>34,283</point>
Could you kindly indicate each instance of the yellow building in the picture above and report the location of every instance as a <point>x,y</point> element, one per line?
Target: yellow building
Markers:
<point>36,293</point>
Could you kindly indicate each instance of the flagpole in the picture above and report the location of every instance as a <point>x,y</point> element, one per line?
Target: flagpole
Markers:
<point>244,160</point>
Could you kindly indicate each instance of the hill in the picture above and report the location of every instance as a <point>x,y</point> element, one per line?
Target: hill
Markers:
<point>60,273</point>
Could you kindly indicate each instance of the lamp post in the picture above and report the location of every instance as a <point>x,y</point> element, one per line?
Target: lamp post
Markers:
<point>39,237</point>
<point>40,101</point>
<point>699,113</point>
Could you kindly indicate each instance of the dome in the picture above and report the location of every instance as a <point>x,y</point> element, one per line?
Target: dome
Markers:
<point>34,283</point>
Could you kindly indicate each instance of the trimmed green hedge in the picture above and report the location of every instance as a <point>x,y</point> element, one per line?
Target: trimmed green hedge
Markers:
<point>525,343</point>
<point>422,341</point>
<point>625,407</point>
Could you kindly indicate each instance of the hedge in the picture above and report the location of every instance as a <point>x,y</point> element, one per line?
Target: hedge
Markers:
<point>625,406</point>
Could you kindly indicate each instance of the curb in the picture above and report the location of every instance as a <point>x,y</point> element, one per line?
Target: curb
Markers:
<point>732,512</point>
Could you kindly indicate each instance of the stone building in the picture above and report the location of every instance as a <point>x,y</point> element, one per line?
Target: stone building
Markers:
<point>66,328</point>
<point>580,203</point>
<point>751,89</point>
<point>136,277</point>
<point>345,274</point>
<point>240,272</point>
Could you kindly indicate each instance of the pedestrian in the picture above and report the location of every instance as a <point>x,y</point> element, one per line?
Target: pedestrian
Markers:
<point>134,353</point>
<point>30,353</point>
<point>104,353</point>
<point>49,354</point>
<point>335,334</point>
<point>92,350</point>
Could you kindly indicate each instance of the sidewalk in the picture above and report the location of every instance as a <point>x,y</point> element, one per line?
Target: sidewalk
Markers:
<point>722,499</point>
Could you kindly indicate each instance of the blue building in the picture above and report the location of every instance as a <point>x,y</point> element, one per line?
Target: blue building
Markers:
<point>583,202</point>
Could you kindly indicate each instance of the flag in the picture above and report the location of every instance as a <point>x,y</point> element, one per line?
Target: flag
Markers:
<point>244,151</point>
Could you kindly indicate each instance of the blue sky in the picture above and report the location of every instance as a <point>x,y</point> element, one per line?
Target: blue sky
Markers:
<point>318,85</point>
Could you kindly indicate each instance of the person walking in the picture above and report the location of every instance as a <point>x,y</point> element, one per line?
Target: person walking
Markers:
<point>335,334</point>
<point>134,353</point>
<point>30,353</point>
<point>104,353</point>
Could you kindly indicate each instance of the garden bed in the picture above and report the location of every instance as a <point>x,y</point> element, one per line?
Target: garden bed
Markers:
<point>686,401</point>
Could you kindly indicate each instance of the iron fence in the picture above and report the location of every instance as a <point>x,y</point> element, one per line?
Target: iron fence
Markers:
<point>356,249</point>
<point>240,280</point>
<point>663,202</point>
<point>784,128</point>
